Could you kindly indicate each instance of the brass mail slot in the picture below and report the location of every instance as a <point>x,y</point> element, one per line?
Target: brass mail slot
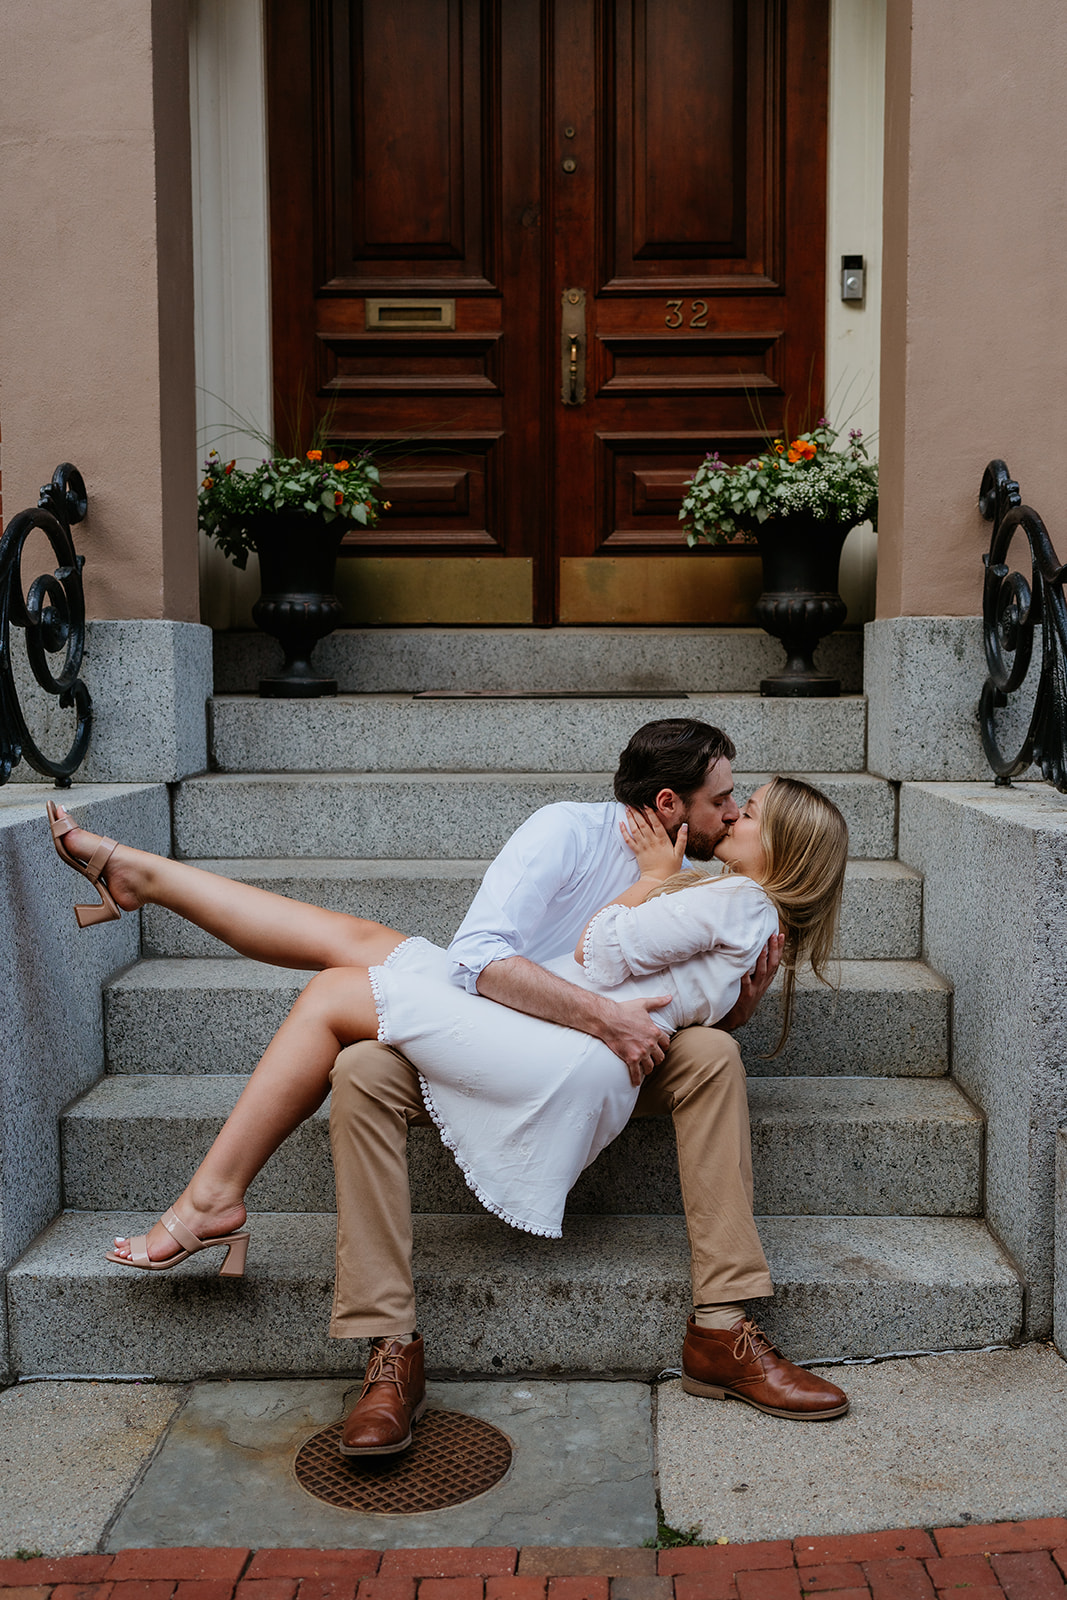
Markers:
<point>411,314</point>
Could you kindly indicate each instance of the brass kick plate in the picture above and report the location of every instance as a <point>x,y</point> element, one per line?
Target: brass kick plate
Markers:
<point>411,314</point>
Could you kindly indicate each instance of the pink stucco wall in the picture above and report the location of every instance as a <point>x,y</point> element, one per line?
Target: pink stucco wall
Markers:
<point>974,287</point>
<point>96,339</point>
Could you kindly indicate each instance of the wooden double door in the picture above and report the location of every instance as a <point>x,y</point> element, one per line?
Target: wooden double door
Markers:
<point>550,252</point>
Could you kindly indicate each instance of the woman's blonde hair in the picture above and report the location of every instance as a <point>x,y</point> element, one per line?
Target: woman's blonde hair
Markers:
<point>805,848</point>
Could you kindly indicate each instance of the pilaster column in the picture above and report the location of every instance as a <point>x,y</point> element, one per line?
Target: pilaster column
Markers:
<point>96,286</point>
<point>974,303</point>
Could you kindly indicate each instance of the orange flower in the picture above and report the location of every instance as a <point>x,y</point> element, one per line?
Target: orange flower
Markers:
<point>229,467</point>
<point>779,446</point>
<point>338,497</point>
<point>386,504</point>
<point>342,466</point>
<point>314,455</point>
<point>208,483</point>
<point>794,454</point>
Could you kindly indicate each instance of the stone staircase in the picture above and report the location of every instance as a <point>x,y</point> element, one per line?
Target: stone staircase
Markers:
<point>868,1158</point>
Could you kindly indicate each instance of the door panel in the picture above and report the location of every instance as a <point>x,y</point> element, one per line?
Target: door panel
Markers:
<point>687,103</point>
<point>661,160</point>
<point>428,135</point>
<point>707,186</point>
<point>409,83</point>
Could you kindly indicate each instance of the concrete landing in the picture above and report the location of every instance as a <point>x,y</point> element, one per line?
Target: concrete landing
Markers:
<point>940,1441</point>
<point>973,1436</point>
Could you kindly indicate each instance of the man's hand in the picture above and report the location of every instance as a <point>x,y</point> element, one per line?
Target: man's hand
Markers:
<point>754,985</point>
<point>638,1041</point>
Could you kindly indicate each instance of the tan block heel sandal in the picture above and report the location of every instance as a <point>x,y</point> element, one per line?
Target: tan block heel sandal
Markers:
<point>233,1263</point>
<point>92,870</point>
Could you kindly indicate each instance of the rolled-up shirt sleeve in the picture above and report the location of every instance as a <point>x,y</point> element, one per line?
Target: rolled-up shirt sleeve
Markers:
<point>731,916</point>
<point>541,856</point>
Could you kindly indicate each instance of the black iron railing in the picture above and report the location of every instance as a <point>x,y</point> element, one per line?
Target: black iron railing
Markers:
<point>52,614</point>
<point>1013,609</point>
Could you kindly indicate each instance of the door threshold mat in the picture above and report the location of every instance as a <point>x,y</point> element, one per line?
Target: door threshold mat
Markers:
<point>549,694</point>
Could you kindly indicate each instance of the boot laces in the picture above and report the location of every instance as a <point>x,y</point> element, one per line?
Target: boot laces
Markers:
<point>384,1367</point>
<point>752,1342</point>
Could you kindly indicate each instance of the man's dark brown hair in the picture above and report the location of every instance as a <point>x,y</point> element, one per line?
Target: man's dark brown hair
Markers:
<point>673,754</point>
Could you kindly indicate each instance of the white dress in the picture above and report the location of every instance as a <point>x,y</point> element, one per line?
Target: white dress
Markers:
<point>525,1105</point>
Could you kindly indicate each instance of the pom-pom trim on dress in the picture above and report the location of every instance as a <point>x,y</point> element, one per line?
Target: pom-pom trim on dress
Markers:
<point>471,1181</point>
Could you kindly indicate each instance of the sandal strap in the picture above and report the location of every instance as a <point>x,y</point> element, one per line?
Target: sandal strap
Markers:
<point>178,1230</point>
<point>99,859</point>
<point>139,1250</point>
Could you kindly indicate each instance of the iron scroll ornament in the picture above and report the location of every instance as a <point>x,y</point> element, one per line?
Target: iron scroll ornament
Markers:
<point>1012,609</point>
<point>52,613</point>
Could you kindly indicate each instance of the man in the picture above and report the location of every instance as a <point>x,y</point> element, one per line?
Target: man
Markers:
<point>564,863</point>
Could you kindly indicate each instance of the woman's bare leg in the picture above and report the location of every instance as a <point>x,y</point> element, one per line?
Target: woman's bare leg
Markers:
<point>290,1082</point>
<point>254,922</point>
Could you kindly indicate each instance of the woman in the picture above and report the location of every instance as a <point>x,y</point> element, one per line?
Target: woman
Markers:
<point>523,1104</point>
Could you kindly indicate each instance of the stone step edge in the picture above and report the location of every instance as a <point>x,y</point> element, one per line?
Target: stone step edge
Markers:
<point>70,1244</point>
<point>172,1096</point>
<point>241,973</point>
<point>742,777</point>
<point>611,1297</point>
<point>448,866</point>
<point>130,1142</point>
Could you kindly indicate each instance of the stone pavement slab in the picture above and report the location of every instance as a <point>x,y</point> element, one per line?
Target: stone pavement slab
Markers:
<point>69,1455</point>
<point>932,1440</point>
<point>581,1472</point>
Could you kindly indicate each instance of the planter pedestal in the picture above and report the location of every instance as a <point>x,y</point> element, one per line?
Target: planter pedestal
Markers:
<point>297,559</point>
<point>800,603</point>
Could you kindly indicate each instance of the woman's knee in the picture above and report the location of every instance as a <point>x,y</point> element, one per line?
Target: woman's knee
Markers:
<point>325,992</point>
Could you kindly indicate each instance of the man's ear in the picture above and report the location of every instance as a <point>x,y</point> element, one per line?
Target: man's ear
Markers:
<point>669,808</point>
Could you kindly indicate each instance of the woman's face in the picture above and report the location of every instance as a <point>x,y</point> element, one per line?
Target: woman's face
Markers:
<point>742,848</point>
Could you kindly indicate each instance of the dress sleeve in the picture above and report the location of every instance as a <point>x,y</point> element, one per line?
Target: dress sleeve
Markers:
<point>538,860</point>
<point>731,915</point>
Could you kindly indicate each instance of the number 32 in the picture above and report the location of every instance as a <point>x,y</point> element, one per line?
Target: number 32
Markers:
<point>698,314</point>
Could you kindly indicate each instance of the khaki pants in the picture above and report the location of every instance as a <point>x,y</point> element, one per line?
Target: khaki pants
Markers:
<point>376,1098</point>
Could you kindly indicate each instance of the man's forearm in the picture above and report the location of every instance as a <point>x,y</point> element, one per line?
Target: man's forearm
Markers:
<point>628,1029</point>
<point>524,986</point>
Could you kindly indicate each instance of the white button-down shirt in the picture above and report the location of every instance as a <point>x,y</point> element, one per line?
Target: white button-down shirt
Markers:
<point>564,863</point>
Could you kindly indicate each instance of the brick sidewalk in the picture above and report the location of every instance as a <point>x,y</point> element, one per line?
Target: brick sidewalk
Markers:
<point>1019,1560</point>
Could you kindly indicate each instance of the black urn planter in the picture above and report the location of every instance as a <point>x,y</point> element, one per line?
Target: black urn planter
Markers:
<point>297,558</point>
<point>800,603</point>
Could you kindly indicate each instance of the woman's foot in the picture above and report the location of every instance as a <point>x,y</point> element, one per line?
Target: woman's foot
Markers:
<point>121,875</point>
<point>207,1222</point>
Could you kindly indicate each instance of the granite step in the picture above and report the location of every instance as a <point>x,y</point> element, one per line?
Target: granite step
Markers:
<point>401,733</point>
<point>610,1298</point>
<point>570,660</point>
<point>201,1016</point>
<point>433,816</point>
<point>821,1146</point>
<point>881,914</point>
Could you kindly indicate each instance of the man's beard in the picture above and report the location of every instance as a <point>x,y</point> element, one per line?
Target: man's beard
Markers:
<point>701,846</point>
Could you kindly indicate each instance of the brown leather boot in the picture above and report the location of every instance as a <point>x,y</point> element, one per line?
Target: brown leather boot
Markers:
<point>741,1364</point>
<point>392,1399</point>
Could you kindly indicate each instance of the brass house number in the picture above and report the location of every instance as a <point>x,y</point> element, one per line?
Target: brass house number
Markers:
<point>698,314</point>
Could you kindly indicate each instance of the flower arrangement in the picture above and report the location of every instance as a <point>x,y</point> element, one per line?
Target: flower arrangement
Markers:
<point>812,475</point>
<point>231,497</point>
